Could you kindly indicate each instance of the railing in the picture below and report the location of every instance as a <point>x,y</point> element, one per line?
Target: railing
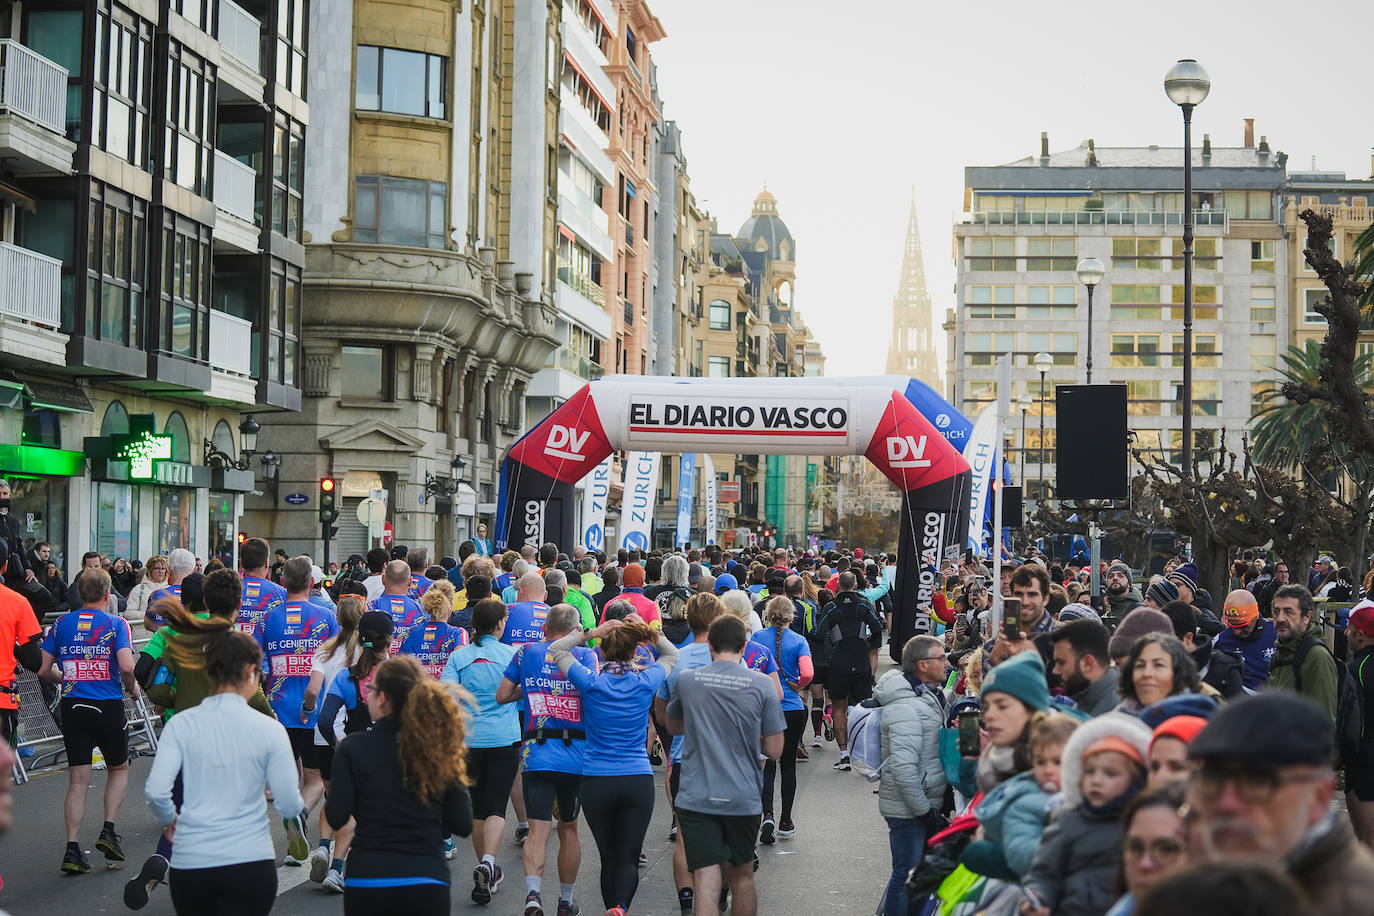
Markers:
<point>1343,212</point>
<point>32,86</point>
<point>235,187</point>
<point>231,343</point>
<point>240,34</point>
<point>1093,218</point>
<point>581,283</point>
<point>577,364</point>
<point>30,285</point>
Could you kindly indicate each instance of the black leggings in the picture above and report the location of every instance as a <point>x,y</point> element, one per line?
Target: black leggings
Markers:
<point>618,809</point>
<point>245,889</point>
<point>796,723</point>
<point>413,900</point>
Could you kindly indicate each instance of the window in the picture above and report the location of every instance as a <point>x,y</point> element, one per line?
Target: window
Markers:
<point>983,349</point>
<point>718,366</point>
<point>1259,396</point>
<point>1206,397</point>
<point>1206,254</point>
<point>1135,351</point>
<point>404,82</point>
<point>1205,352</point>
<point>631,46</point>
<point>1250,204</point>
<point>1051,254</point>
<point>992,254</point>
<point>1135,302</point>
<point>400,211</point>
<point>288,175</point>
<point>1142,397</point>
<point>591,20</point>
<point>1051,302</point>
<point>365,373</point>
<point>116,255</point>
<point>1330,244</point>
<point>991,301</point>
<point>57,35</point>
<point>185,294</point>
<point>283,323</point>
<point>1262,256</point>
<point>53,232</point>
<point>1310,299</point>
<point>1262,303</point>
<point>119,101</point>
<point>197,11</point>
<point>1062,347</point>
<point>994,202</point>
<point>188,143</point>
<point>1136,254</point>
<point>1204,302</point>
<point>291,45</point>
<point>720,315</point>
<point>1262,351</point>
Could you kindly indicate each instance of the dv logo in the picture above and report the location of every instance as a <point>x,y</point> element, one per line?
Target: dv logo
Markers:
<point>942,421</point>
<point>592,538</point>
<point>566,442</point>
<point>635,540</point>
<point>907,452</point>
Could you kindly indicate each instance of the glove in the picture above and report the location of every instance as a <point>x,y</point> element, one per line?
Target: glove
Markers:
<point>934,822</point>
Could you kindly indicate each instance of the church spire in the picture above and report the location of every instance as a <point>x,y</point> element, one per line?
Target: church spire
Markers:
<point>911,351</point>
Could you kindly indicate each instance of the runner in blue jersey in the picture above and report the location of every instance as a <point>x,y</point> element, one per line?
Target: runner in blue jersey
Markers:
<point>525,620</point>
<point>180,564</point>
<point>260,594</point>
<point>793,655</point>
<point>433,641</point>
<point>90,652</point>
<point>554,739</point>
<point>619,609</point>
<point>417,559</point>
<point>405,611</point>
<point>289,636</point>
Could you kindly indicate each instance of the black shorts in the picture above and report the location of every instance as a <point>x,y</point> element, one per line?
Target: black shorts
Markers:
<point>324,760</point>
<point>821,677</point>
<point>9,725</point>
<point>1360,780</point>
<point>717,839</point>
<point>303,747</point>
<point>674,780</point>
<point>875,640</point>
<point>548,792</point>
<point>854,687</point>
<point>492,771</point>
<point>88,724</point>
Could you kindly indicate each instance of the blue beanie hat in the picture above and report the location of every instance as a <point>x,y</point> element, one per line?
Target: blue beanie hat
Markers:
<point>1023,677</point>
<point>1183,704</point>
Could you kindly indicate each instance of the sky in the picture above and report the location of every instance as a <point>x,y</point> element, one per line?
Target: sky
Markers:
<point>845,108</point>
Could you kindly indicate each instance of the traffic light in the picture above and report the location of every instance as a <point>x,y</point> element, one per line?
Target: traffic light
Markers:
<point>329,509</point>
<point>242,538</point>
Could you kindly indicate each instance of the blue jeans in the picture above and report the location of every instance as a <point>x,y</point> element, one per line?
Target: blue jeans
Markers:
<point>907,838</point>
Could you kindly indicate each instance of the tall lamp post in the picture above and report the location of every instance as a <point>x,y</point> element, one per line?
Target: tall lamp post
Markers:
<point>1042,363</point>
<point>1187,84</point>
<point>1090,273</point>
<point>1024,402</point>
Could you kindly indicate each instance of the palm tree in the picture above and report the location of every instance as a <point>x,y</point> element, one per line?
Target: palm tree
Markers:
<point>1285,432</point>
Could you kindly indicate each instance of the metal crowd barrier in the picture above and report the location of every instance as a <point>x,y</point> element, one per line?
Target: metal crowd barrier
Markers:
<point>41,732</point>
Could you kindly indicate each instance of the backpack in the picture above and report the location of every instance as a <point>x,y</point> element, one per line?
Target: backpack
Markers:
<point>1349,705</point>
<point>866,740</point>
<point>671,599</point>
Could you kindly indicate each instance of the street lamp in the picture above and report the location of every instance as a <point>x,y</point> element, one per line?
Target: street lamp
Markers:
<point>270,462</point>
<point>1090,273</point>
<point>1024,402</point>
<point>248,445</point>
<point>1042,363</point>
<point>1187,84</point>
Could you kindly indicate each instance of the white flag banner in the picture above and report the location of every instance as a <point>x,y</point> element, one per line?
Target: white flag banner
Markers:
<point>596,490</point>
<point>637,504</point>
<point>708,495</point>
<point>980,451</point>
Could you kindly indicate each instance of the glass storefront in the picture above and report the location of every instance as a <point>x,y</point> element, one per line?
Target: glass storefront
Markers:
<point>176,509</point>
<point>114,526</point>
<point>40,506</point>
<point>222,527</point>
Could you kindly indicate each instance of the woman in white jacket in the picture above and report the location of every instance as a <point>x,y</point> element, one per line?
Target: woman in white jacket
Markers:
<point>154,578</point>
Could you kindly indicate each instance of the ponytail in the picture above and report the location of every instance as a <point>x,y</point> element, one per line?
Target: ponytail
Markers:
<point>619,644</point>
<point>432,728</point>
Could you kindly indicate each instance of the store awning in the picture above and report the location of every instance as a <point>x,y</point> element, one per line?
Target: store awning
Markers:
<point>51,462</point>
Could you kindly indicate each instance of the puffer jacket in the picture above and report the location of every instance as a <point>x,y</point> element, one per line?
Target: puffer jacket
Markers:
<point>913,780</point>
<point>1013,818</point>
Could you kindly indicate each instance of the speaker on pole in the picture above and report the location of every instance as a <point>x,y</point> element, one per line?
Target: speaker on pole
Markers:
<point>1012,508</point>
<point>1090,459</point>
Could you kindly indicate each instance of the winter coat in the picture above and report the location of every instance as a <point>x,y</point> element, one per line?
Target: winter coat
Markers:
<point>1012,817</point>
<point>1222,670</point>
<point>1256,652</point>
<point>1334,870</point>
<point>1361,668</point>
<point>913,780</point>
<point>1119,606</point>
<point>1318,670</point>
<point>1100,697</point>
<point>1075,868</point>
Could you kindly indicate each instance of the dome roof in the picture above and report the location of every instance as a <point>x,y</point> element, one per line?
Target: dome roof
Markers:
<point>765,231</point>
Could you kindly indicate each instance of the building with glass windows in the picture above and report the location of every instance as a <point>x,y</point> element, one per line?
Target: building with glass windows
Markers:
<point>151,203</point>
<point>429,271</point>
<point>1026,225</point>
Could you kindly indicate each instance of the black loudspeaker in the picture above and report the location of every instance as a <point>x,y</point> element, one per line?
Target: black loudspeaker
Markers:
<point>1090,442</point>
<point>1012,511</point>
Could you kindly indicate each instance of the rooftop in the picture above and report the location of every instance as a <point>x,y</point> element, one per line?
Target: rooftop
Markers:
<point>1157,157</point>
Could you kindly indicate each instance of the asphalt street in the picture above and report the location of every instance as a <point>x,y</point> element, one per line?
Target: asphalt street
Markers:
<point>837,863</point>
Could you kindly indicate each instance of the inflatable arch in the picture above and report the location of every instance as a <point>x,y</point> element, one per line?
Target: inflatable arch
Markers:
<point>780,416</point>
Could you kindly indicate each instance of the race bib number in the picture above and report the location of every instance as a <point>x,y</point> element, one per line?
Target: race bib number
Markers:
<point>292,665</point>
<point>567,707</point>
<point>245,627</point>
<point>86,669</point>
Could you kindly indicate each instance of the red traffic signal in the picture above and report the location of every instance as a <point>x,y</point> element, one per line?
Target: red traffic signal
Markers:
<point>327,485</point>
<point>242,537</point>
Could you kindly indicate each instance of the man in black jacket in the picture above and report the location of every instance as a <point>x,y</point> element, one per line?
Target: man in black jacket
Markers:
<point>1222,670</point>
<point>846,624</point>
<point>19,570</point>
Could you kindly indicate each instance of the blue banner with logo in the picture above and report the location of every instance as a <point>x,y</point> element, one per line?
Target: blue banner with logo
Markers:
<point>686,479</point>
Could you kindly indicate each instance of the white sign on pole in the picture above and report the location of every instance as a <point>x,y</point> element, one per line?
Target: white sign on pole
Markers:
<point>708,494</point>
<point>637,504</point>
<point>372,514</point>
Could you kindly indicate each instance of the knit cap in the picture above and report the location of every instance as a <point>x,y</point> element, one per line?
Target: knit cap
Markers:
<point>1118,745</point>
<point>1121,567</point>
<point>1077,611</point>
<point>1162,592</point>
<point>632,576</point>
<point>1134,625</point>
<point>1023,677</point>
<point>1187,574</point>
<point>1184,728</point>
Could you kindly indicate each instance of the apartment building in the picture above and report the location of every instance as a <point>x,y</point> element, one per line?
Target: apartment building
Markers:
<point>151,250</point>
<point>1026,225</point>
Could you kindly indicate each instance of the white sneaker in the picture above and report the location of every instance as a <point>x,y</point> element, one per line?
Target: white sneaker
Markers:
<point>842,764</point>
<point>319,864</point>
<point>816,741</point>
<point>334,881</point>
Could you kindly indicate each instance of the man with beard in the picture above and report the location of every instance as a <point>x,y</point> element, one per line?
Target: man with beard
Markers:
<point>1082,663</point>
<point>1122,596</point>
<point>1302,663</point>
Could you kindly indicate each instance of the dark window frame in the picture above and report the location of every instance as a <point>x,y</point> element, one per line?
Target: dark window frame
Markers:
<point>376,233</point>
<point>388,380</point>
<point>116,264</point>
<point>433,82</point>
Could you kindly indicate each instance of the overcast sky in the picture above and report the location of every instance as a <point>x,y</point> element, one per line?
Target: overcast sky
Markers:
<point>843,108</point>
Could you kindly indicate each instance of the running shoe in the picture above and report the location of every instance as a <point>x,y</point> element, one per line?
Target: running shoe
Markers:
<point>801,752</point>
<point>137,891</point>
<point>482,877</point>
<point>534,904</point>
<point>616,911</point>
<point>656,753</point>
<point>766,833</point>
<point>816,741</point>
<point>672,830</point>
<point>334,881</point>
<point>828,724</point>
<point>497,877</point>
<point>108,844</point>
<point>319,864</point>
<point>686,899</point>
<point>450,848</point>
<point>297,846</point>
<point>521,834</point>
<point>786,829</point>
<point>74,862</point>
<point>842,765</point>
<point>569,908</point>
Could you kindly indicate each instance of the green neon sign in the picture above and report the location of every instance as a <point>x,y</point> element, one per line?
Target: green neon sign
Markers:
<point>141,450</point>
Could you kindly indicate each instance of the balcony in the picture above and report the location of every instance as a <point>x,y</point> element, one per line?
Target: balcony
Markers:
<point>31,307</point>
<point>1132,218</point>
<point>231,343</point>
<point>587,221</point>
<point>575,363</point>
<point>33,113</point>
<point>586,137</point>
<point>238,228</point>
<point>1344,213</point>
<point>240,36</point>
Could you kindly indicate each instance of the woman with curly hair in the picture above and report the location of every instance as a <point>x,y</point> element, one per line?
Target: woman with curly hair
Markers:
<point>617,781</point>
<point>404,782</point>
<point>1158,667</point>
